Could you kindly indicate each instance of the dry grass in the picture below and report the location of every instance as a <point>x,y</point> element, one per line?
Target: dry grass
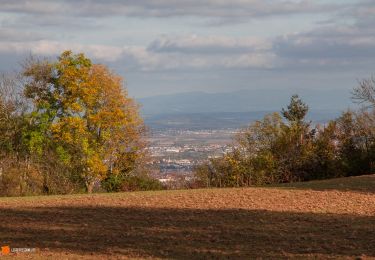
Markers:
<point>365,184</point>
<point>311,220</point>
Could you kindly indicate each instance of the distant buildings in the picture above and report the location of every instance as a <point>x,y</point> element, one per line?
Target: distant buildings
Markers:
<point>176,153</point>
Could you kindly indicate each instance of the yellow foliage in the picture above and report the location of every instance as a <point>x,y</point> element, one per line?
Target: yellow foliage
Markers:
<point>99,120</point>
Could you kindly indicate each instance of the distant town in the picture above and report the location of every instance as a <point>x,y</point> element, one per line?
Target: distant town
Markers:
<point>175,153</point>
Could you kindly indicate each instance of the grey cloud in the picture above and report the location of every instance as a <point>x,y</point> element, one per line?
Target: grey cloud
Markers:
<point>333,45</point>
<point>363,12</point>
<point>52,20</point>
<point>11,35</point>
<point>336,44</point>
<point>33,7</point>
<point>164,8</point>
<point>346,43</point>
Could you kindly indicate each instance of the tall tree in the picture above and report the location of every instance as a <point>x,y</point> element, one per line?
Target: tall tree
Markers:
<point>296,110</point>
<point>83,111</point>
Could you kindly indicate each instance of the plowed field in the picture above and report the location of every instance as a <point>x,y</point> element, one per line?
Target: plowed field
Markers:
<point>327,219</point>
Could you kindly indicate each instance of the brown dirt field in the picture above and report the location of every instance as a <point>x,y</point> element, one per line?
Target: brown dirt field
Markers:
<point>282,222</point>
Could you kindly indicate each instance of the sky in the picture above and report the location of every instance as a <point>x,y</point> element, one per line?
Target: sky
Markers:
<point>173,46</point>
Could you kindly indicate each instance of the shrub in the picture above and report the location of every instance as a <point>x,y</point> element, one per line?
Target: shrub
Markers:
<point>140,183</point>
<point>116,183</point>
<point>19,179</point>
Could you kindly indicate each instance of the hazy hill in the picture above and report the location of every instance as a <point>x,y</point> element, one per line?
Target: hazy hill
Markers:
<point>243,101</point>
<point>221,120</point>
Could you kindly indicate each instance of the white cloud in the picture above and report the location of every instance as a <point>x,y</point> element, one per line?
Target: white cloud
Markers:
<point>205,52</point>
<point>53,48</point>
<point>227,53</point>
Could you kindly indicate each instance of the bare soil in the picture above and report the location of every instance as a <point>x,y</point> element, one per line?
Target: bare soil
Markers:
<point>312,220</point>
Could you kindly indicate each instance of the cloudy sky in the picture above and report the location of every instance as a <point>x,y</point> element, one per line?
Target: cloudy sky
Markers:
<point>172,46</point>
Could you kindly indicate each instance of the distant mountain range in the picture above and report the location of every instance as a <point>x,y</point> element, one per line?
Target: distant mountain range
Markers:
<point>223,120</point>
<point>242,101</point>
<point>201,110</point>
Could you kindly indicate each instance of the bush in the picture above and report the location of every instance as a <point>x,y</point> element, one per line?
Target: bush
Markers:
<point>112,183</point>
<point>19,179</point>
<point>140,183</point>
<point>116,183</point>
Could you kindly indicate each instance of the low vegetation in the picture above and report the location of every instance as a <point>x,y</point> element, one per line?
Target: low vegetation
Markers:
<point>311,220</point>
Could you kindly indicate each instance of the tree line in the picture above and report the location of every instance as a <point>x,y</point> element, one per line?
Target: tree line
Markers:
<point>69,126</point>
<point>284,147</point>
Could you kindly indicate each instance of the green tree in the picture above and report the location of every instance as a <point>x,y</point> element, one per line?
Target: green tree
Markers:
<point>296,145</point>
<point>355,137</point>
<point>296,111</point>
<point>268,151</point>
<point>18,176</point>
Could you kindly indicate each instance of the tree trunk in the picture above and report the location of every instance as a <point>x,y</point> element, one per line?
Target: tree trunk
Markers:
<point>90,186</point>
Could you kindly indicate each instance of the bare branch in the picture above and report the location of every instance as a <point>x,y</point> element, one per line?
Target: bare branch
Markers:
<point>365,93</point>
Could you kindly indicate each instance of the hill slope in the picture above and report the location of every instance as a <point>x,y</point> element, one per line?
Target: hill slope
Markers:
<point>304,220</point>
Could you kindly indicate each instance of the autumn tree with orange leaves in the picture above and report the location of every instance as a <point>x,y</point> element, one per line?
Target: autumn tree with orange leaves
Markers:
<point>81,111</point>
